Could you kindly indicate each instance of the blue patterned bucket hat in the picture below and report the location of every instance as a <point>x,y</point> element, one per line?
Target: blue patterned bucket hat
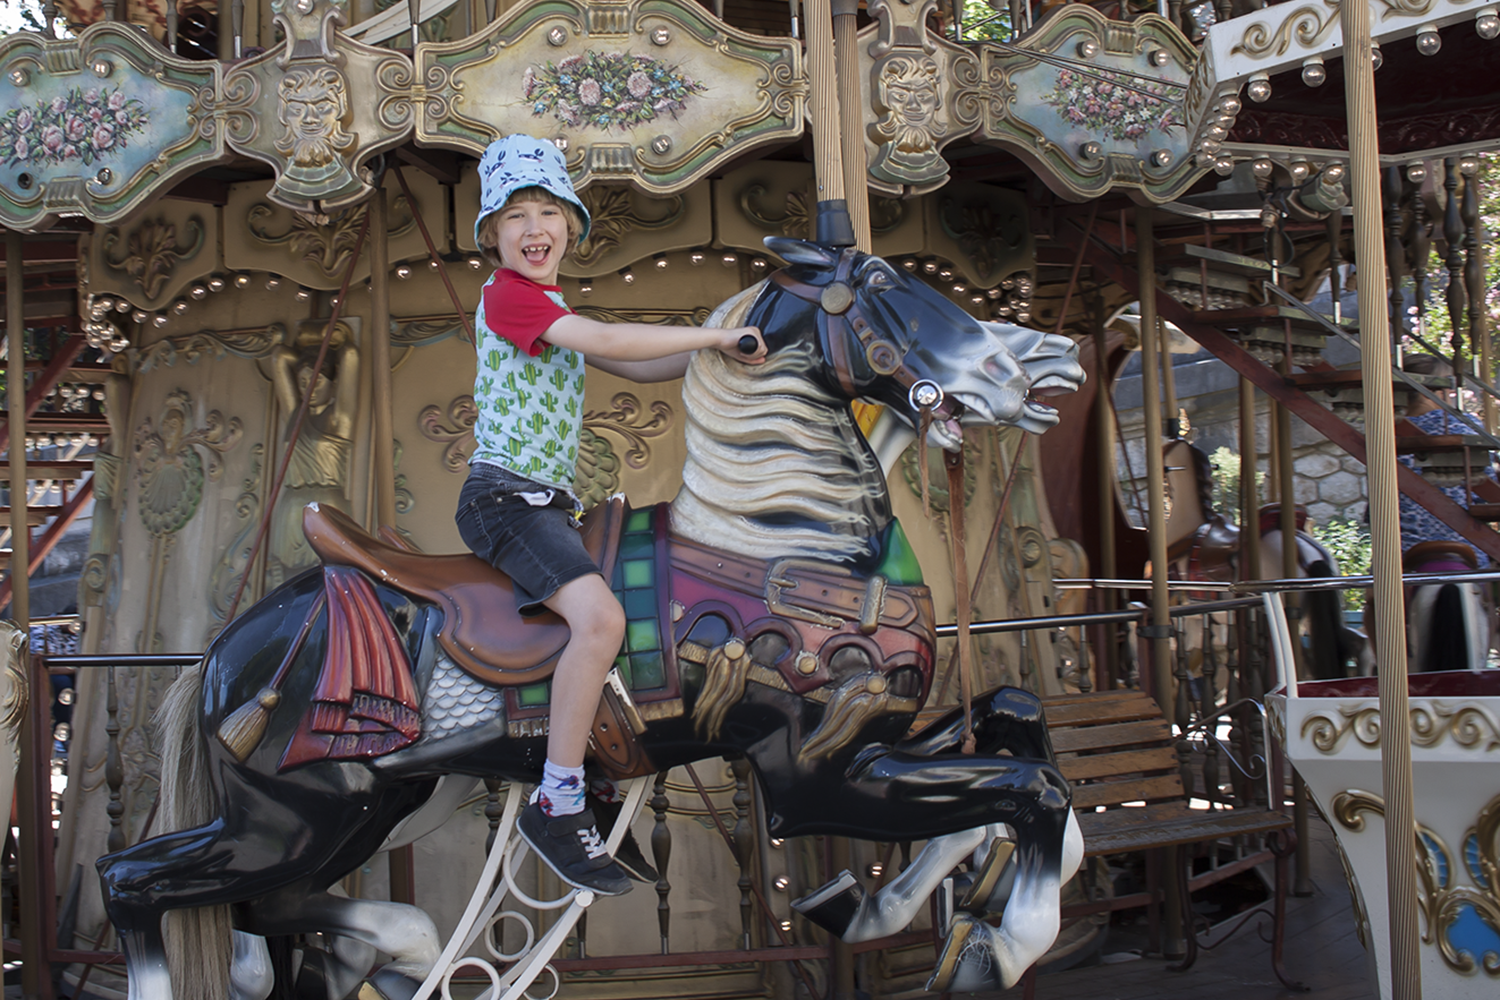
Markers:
<point>517,161</point>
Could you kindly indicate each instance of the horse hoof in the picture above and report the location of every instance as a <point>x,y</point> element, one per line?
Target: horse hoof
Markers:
<point>387,985</point>
<point>990,887</point>
<point>835,906</point>
<point>966,964</point>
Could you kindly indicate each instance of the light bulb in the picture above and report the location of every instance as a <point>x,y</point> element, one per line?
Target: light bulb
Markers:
<point>1487,24</point>
<point>1259,88</point>
<point>1314,72</point>
<point>1429,42</point>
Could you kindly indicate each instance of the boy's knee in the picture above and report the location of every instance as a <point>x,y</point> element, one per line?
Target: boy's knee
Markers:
<point>604,626</point>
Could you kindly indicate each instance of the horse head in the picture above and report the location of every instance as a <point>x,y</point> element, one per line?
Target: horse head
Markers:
<point>886,336</point>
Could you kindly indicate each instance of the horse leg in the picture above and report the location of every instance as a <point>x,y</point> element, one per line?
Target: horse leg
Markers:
<point>251,976</point>
<point>404,932</point>
<point>1008,719</point>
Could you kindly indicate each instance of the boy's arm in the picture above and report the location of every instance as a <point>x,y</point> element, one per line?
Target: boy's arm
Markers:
<point>644,342</point>
<point>657,370</point>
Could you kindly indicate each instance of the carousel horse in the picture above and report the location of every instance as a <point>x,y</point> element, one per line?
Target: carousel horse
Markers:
<point>1201,545</point>
<point>1447,624</point>
<point>775,612</point>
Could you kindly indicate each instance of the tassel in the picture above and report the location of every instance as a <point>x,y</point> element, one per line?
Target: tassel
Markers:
<point>245,727</point>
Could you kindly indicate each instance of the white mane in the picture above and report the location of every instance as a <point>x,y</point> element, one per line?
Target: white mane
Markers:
<point>767,445</point>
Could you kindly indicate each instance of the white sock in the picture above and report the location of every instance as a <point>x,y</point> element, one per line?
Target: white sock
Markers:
<point>606,791</point>
<point>561,791</point>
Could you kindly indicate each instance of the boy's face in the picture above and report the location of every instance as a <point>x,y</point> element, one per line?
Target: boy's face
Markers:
<point>531,238</point>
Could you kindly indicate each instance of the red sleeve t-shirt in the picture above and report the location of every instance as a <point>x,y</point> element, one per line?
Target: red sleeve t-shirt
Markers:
<point>520,310</point>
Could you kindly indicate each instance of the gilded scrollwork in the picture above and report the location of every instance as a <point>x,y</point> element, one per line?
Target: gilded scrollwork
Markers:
<point>636,425</point>
<point>1304,27</point>
<point>454,429</point>
<point>1441,901</point>
<point>152,251</point>
<point>1471,727</point>
<point>795,221</point>
<point>614,214</point>
<point>169,469</point>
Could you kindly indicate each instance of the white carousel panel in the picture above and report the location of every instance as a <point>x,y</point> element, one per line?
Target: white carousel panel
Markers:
<point>1332,733</point>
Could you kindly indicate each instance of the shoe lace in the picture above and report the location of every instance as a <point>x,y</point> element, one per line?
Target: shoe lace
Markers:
<point>593,844</point>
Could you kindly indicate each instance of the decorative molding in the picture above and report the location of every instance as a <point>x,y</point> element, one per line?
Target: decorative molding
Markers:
<point>615,211</point>
<point>169,470</point>
<point>454,429</point>
<point>1441,901</point>
<point>723,92</point>
<point>1054,97</point>
<point>100,124</point>
<point>151,251</point>
<point>325,241</point>
<point>253,343</point>
<point>633,424</point>
<point>1471,727</point>
<point>16,643</point>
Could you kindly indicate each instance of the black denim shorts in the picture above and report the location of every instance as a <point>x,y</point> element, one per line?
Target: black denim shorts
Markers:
<point>535,542</point>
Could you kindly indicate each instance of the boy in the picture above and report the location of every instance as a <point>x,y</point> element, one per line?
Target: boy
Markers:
<point>517,509</point>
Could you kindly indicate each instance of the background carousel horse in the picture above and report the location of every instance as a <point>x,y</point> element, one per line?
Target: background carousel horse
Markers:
<point>1447,624</point>
<point>775,613</point>
<point>1203,546</point>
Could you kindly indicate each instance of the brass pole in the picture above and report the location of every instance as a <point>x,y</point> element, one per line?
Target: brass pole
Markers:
<point>35,975</point>
<point>1105,430</point>
<point>1169,422</point>
<point>832,226</point>
<point>1249,493</point>
<point>851,121</point>
<point>1160,630</point>
<point>1385,528</point>
<point>1290,568</point>
<point>383,439</point>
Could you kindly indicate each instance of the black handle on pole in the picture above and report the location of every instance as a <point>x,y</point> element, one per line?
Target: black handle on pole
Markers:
<point>748,344</point>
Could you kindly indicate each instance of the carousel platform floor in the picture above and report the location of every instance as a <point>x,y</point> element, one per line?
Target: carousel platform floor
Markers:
<point>1321,950</point>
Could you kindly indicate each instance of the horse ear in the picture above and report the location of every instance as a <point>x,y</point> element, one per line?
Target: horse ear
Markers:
<point>801,252</point>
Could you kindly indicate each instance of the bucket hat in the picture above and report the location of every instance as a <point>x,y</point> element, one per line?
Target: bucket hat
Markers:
<point>517,161</point>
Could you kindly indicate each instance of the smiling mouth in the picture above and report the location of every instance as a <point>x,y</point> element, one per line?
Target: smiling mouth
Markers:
<point>536,254</point>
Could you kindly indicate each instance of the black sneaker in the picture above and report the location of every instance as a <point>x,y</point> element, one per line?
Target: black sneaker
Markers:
<point>628,855</point>
<point>571,847</point>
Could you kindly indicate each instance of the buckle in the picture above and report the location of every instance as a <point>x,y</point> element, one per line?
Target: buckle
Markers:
<point>872,606</point>
<point>778,580</point>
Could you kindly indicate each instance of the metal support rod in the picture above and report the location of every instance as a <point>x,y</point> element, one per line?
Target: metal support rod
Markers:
<point>1385,529</point>
<point>1161,611</point>
<point>35,976</point>
<point>851,123</point>
<point>383,438</point>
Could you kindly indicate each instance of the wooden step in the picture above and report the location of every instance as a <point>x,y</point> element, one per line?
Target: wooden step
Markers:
<point>1485,511</point>
<point>1224,261</point>
<point>35,516</point>
<point>1252,317</point>
<point>74,469</point>
<point>1426,444</point>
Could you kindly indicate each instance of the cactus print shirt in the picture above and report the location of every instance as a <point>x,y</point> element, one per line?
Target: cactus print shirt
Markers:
<point>529,393</point>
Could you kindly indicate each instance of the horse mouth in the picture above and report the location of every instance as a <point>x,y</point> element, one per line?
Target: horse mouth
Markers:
<point>1050,385</point>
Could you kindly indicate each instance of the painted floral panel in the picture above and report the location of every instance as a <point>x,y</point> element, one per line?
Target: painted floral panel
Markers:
<point>1113,105</point>
<point>86,125</point>
<point>607,89</point>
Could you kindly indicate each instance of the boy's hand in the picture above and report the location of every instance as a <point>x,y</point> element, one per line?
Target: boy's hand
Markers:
<point>744,344</point>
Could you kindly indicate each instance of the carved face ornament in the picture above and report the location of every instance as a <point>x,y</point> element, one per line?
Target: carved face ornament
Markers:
<point>908,88</point>
<point>314,110</point>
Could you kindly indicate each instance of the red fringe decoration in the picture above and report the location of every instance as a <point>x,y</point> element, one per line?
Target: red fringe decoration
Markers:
<point>364,704</point>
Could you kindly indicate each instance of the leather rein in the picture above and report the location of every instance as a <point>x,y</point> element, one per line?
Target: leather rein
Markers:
<point>840,308</point>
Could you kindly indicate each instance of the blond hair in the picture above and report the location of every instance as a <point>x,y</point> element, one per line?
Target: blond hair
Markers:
<point>489,226</point>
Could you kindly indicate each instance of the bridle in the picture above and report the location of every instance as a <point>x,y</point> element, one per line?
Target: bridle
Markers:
<point>839,306</point>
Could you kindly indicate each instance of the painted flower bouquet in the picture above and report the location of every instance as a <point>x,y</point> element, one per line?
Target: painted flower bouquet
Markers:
<point>607,89</point>
<point>1111,105</point>
<point>86,126</point>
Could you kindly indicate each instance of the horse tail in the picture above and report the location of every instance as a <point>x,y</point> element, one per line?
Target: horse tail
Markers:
<point>200,948</point>
<point>1324,613</point>
<point>1447,645</point>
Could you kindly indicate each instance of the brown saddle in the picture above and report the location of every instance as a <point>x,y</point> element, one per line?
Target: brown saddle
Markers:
<point>482,630</point>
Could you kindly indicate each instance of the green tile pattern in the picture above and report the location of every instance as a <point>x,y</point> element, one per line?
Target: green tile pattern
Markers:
<point>640,661</point>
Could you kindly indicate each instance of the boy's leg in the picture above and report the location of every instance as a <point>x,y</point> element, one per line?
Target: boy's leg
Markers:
<point>557,826</point>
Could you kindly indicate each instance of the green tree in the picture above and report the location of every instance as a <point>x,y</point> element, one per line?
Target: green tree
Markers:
<point>984,23</point>
<point>1349,541</point>
<point>1437,323</point>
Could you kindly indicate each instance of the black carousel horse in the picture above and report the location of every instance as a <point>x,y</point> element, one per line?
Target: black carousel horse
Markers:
<point>774,611</point>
